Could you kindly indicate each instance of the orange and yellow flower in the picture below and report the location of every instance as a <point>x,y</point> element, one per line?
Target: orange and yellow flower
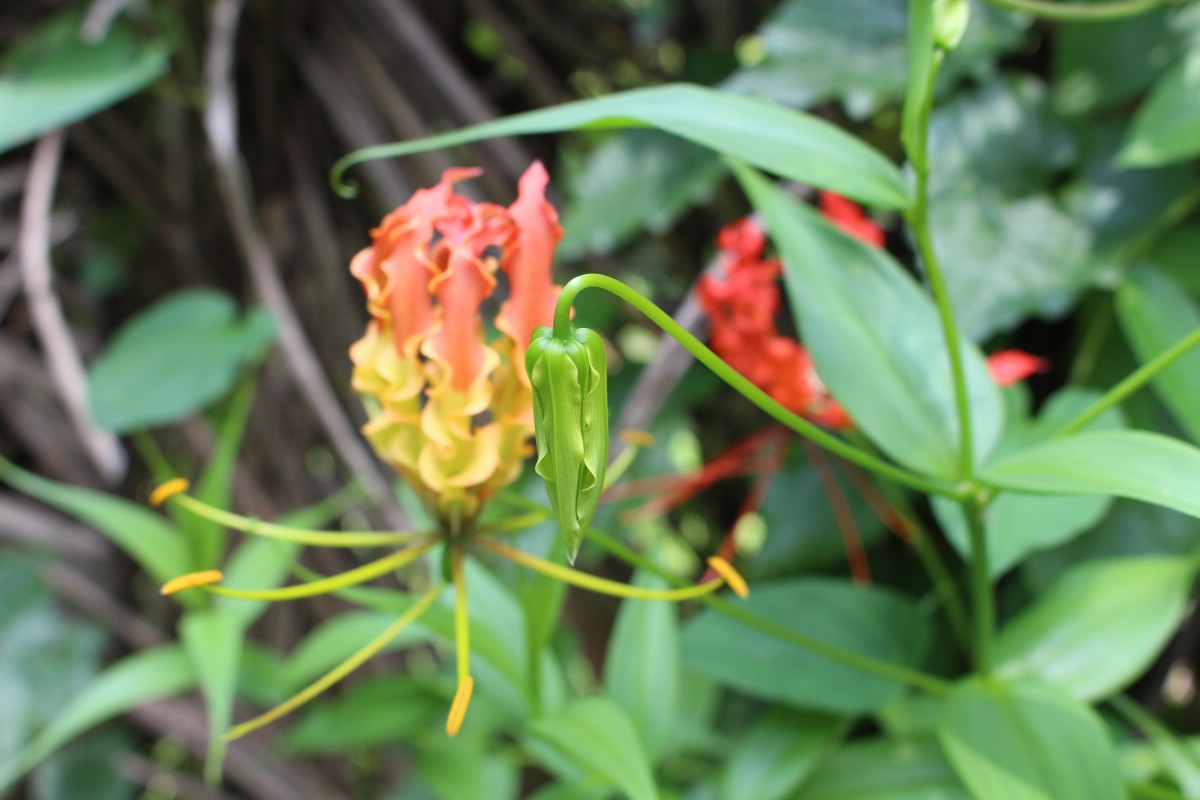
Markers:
<point>453,411</point>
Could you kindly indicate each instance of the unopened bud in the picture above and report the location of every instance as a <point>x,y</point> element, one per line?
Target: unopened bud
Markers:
<point>570,414</point>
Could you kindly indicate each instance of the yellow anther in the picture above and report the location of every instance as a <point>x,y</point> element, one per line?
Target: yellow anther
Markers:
<point>636,437</point>
<point>192,580</point>
<point>458,709</point>
<point>732,577</point>
<point>168,490</point>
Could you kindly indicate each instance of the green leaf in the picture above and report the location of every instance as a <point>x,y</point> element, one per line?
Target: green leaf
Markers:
<point>174,359</point>
<point>1129,529</point>
<point>1135,464</point>
<point>137,679</point>
<point>596,736</point>
<point>1027,741</point>
<point>778,753</point>
<point>855,51</point>
<point>636,180</point>
<point>875,337</point>
<point>1088,78</point>
<point>1006,245</point>
<point>1019,524</point>
<point>335,640</point>
<point>1155,314</point>
<point>375,712</point>
<point>886,769</point>
<point>1099,627</point>
<point>53,79</point>
<point>86,768</point>
<point>874,622</point>
<point>148,539</point>
<point>212,640</point>
<point>788,143</point>
<point>215,485</point>
<point>641,667</point>
<point>808,542</point>
<point>1167,126</point>
<point>45,657</point>
<point>1175,255</point>
<point>460,768</point>
<point>259,563</point>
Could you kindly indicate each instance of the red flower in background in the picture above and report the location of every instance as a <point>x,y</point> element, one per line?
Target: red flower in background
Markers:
<point>743,306</point>
<point>847,215</point>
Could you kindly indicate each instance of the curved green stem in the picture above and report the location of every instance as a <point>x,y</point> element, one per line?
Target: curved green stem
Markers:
<point>1134,381</point>
<point>562,329</point>
<point>918,220</point>
<point>1080,12</point>
<point>884,669</point>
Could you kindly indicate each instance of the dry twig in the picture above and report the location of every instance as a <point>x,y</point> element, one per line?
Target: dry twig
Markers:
<point>62,357</point>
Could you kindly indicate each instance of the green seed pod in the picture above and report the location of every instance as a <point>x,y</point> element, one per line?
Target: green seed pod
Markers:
<point>570,414</point>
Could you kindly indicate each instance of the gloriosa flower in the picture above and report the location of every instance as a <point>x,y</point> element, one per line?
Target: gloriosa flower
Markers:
<point>454,413</point>
<point>450,408</point>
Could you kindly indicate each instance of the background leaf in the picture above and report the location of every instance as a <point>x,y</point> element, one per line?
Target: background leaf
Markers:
<point>1027,741</point>
<point>1167,126</point>
<point>54,78</point>
<point>148,539</point>
<point>875,337</point>
<point>1134,464</point>
<point>642,666</point>
<point>779,752</point>
<point>886,769</point>
<point>1099,627</point>
<point>137,679</point>
<point>598,738</point>
<point>635,180</point>
<point>788,143</point>
<point>1155,314</point>
<point>143,379</point>
<point>856,51</point>
<point>874,622</point>
<point>1005,242</point>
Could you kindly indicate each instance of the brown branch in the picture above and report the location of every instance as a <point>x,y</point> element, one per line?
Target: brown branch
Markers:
<point>62,357</point>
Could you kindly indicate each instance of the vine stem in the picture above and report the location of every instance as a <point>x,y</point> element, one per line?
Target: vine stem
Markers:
<point>983,601</point>
<point>1132,382</point>
<point>1080,12</point>
<point>918,220</point>
<point>884,669</point>
<point>562,329</point>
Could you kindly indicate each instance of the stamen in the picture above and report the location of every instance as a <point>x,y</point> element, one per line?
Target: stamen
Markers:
<point>732,577</point>
<point>271,530</point>
<point>596,584</point>
<point>462,645</point>
<point>458,709</point>
<point>353,577</point>
<point>341,670</point>
<point>191,581</point>
<point>168,490</point>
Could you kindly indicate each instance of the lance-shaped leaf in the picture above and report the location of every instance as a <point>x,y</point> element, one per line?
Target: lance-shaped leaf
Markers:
<point>570,413</point>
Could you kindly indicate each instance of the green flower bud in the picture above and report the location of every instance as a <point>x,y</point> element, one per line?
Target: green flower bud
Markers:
<point>570,414</point>
<point>950,19</point>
